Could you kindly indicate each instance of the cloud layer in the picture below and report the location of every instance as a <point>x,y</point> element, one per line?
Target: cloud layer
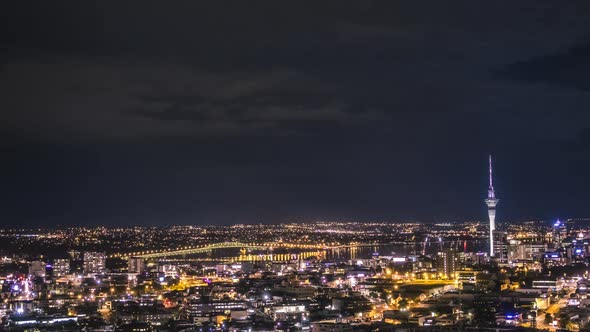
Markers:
<point>269,110</point>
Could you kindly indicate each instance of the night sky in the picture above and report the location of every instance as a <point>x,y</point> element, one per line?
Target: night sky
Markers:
<point>211,112</point>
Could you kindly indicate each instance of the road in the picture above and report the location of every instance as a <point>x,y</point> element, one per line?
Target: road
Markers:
<point>553,310</point>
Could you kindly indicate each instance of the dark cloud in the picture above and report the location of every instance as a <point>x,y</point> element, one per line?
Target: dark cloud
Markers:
<point>568,69</point>
<point>231,111</point>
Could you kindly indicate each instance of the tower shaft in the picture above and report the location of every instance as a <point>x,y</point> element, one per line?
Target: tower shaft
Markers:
<point>491,202</point>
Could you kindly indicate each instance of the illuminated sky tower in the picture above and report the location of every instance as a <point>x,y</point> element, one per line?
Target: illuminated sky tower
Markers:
<point>491,202</point>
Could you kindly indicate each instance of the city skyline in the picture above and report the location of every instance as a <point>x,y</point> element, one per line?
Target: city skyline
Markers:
<point>491,199</point>
<point>297,277</point>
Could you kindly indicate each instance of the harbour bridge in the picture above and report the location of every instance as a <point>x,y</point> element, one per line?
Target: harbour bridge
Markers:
<point>222,245</point>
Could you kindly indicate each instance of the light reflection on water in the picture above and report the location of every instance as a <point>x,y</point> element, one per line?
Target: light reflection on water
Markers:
<point>347,253</point>
<point>365,252</point>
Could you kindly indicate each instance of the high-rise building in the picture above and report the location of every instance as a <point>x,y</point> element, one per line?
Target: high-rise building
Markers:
<point>559,233</point>
<point>135,265</point>
<point>74,254</point>
<point>448,263</point>
<point>61,267</point>
<point>501,246</point>
<point>530,250</point>
<point>94,262</point>
<point>37,269</point>
<point>491,202</point>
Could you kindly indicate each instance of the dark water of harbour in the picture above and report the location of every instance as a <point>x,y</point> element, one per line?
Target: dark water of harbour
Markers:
<point>400,250</point>
<point>346,253</point>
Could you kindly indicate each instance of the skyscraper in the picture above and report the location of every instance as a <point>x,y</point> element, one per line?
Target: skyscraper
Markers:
<point>135,265</point>
<point>448,263</point>
<point>61,267</point>
<point>559,233</point>
<point>491,202</point>
<point>94,262</point>
<point>501,246</point>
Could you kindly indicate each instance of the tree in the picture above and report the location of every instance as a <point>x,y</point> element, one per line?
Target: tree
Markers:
<point>403,304</point>
<point>548,318</point>
<point>484,316</point>
<point>564,320</point>
<point>402,316</point>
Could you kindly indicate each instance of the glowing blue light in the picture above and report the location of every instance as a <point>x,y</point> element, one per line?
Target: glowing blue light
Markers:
<point>557,223</point>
